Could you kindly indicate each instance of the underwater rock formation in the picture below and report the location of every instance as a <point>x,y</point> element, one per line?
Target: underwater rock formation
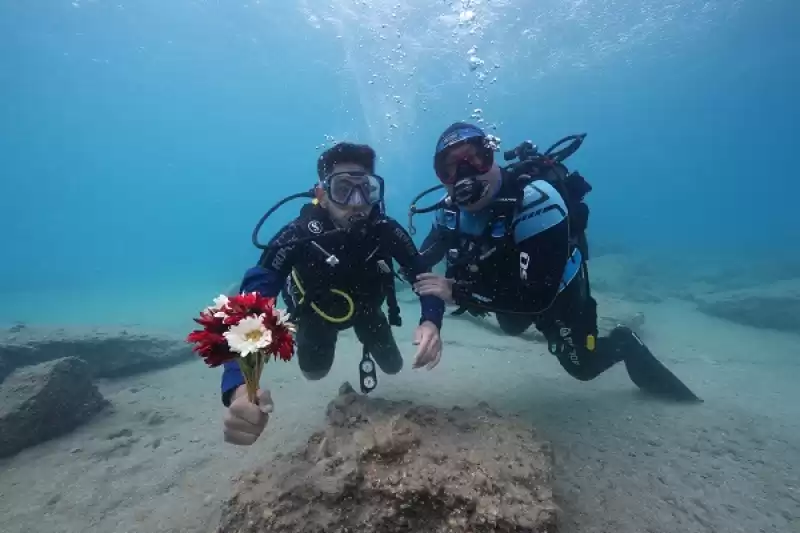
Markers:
<point>780,313</point>
<point>44,401</point>
<point>109,353</point>
<point>386,467</point>
<point>773,305</point>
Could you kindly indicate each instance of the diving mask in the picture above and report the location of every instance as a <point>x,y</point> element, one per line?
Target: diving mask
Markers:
<point>463,154</point>
<point>354,189</point>
<point>463,167</point>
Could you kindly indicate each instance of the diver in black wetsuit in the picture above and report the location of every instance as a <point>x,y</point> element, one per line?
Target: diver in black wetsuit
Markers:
<point>333,265</point>
<point>515,244</point>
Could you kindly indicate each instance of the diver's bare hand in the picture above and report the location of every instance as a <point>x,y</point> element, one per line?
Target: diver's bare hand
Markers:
<point>244,421</point>
<point>430,284</point>
<point>429,352</point>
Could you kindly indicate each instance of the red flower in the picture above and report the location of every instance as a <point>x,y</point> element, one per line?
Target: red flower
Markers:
<point>283,345</point>
<point>211,346</point>
<point>252,303</point>
<point>218,358</point>
<point>210,342</point>
<point>211,323</point>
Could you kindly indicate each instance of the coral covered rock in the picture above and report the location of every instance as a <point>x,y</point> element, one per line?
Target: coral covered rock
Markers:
<point>385,467</point>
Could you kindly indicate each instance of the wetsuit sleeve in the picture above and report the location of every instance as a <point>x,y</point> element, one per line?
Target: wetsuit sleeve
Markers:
<point>541,235</point>
<point>405,252</point>
<point>267,279</point>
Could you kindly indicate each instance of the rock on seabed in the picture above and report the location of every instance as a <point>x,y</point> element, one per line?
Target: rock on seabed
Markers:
<point>385,467</point>
<point>41,402</point>
<point>110,352</point>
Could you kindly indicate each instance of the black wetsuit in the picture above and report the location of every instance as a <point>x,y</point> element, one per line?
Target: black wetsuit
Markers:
<point>361,269</point>
<point>522,259</point>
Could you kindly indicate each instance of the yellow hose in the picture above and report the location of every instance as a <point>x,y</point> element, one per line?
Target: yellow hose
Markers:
<point>320,312</point>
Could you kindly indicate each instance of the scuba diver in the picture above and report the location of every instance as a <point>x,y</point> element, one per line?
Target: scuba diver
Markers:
<point>514,239</point>
<point>333,267</point>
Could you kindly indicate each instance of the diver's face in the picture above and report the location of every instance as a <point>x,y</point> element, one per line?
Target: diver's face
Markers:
<point>488,181</point>
<point>343,215</point>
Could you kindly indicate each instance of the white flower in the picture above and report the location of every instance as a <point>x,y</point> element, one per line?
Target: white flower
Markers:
<point>283,318</point>
<point>281,315</point>
<point>220,301</point>
<point>248,336</point>
<point>216,309</point>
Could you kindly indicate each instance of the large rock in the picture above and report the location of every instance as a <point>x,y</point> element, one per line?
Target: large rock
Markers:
<point>775,306</point>
<point>110,353</point>
<point>386,467</point>
<point>45,401</point>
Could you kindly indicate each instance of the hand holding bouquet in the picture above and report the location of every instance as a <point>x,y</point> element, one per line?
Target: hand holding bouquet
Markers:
<point>247,328</point>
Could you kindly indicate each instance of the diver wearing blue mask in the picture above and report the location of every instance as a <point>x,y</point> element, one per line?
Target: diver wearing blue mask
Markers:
<point>515,245</point>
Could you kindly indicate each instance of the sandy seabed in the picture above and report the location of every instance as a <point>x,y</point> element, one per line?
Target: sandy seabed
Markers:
<point>625,463</point>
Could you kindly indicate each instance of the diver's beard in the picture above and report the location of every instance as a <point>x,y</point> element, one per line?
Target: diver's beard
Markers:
<point>344,220</point>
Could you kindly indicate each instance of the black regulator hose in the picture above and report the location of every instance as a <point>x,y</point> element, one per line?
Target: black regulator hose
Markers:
<point>575,142</point>
<point>414,210</point>
<point>256,243</point>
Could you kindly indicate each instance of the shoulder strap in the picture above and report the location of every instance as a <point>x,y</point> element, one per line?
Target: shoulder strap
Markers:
<point>448,218</point>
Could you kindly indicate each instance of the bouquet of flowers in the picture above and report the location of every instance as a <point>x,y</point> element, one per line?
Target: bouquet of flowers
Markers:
<point>247,328</point>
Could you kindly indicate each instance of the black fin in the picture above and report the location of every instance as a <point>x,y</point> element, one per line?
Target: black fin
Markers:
<point>649,374</point>
<point>458,312</point>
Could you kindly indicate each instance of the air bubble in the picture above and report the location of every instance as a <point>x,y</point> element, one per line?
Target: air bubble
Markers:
<point>475,63</point>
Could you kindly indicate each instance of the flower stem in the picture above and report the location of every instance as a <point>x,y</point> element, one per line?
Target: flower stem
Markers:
<point>248,372</point>
<point>251,367</point>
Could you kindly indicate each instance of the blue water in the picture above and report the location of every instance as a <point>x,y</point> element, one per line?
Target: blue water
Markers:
<point>141,141</point>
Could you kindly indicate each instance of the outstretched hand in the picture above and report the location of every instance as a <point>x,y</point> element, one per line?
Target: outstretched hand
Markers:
<point>429,352</point>
<point>430,284</point>
<point>244,421</point>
